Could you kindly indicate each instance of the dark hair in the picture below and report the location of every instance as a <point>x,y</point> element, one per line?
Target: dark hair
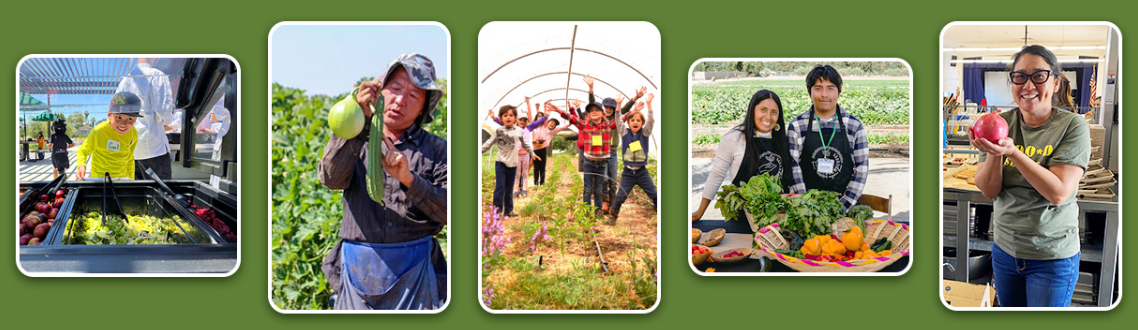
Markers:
<point>554,120</point>
<point>1064,93</point>
<point>751,154</point>
<point>1048,56</point>
<point>507,109</point>
<point>60,126</point>
<point>539,114</point>
<point>823,72</point>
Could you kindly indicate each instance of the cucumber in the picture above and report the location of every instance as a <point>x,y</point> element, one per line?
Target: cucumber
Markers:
<point>374,170</point>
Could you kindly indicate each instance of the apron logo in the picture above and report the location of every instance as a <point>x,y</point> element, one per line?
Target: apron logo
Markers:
<point>772,164</point>
<point>113,145</point>
<point>828,153</point>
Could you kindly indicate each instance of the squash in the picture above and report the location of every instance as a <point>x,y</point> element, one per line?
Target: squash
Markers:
<point>375,171</point>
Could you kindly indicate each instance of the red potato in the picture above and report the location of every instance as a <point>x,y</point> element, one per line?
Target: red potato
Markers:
<point>24,239</point>
<point>41,230</point>
<point>31,223</point>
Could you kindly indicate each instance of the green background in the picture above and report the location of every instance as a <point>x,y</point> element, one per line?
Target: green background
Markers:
<point>689,31</point>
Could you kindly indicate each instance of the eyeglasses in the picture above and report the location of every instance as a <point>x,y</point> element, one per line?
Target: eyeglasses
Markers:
<point>1038,77</point>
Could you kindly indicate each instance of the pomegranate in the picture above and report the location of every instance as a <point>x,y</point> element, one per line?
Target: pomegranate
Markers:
<point>990,127</point>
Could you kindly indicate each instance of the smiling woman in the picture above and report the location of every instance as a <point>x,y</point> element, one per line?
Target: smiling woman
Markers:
<point>1035,217</point>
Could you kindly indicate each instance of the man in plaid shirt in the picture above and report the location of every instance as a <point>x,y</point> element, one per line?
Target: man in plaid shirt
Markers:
<point>827,144</point>
<point>594,138</point>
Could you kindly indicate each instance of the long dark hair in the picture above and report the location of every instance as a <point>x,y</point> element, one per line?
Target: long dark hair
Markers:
<point>778,135</point>
<point>1049,57</point>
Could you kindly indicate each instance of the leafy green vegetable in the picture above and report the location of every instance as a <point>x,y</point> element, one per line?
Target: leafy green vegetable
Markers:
<point>90,230</point>
<point>812,213</point>
<point>760,196</point>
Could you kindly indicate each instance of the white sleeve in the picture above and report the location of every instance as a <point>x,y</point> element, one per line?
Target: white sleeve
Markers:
<point>721,167</point>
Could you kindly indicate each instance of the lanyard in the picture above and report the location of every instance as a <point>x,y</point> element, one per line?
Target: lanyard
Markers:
<point>825,143</point>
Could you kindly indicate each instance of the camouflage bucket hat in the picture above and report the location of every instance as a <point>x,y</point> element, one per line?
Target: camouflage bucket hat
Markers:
<point>421,70</point>
<point>126,103</point>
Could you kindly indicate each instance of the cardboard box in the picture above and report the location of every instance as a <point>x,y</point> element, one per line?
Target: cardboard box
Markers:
<point>960,294</point>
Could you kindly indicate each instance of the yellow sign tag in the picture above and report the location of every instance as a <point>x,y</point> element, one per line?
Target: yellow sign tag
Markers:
<point>634,146</point>
<point>597,141</point>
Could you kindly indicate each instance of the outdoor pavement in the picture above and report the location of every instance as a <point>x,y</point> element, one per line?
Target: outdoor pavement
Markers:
<point>886,176</point>
<point>42,170</point>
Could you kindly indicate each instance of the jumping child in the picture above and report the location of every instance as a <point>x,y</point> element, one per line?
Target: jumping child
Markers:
<point>594,139</point>
<point>507,138</point>
<point>634,148</point>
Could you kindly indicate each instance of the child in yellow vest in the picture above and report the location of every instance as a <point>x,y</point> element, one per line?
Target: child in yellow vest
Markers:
<point>110,145</point>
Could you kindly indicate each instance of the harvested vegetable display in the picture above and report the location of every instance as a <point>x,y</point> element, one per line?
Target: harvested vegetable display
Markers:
<point>207,215</point>
<point>760,196</point>
<point>35,225</point>
<point>89,230</point>
<point>696,249</point>
<point>812,213</point>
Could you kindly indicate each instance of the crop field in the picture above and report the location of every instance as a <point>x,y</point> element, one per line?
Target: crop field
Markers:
<point>556,255</point>
<point>874,102</point>
<point>306,214</point>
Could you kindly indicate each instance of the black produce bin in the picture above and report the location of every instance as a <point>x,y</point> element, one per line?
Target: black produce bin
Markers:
<point>203,195</point>
<point>27,206</point>
<point>137,200</point>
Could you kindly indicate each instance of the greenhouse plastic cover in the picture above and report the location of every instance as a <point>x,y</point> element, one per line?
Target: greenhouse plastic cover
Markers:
<point>518,59</point>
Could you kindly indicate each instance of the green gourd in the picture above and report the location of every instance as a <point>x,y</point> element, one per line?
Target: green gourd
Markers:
<point>375,154</point>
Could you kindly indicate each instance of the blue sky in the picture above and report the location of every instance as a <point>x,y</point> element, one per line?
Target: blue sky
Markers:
<point>330,59</point>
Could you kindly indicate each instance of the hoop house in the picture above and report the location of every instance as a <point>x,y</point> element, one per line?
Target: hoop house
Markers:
<point>548,61</point>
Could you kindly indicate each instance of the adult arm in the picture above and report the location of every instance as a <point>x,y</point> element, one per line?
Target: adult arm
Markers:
<point>794,137</point>
<point>427,194</point>
<point>861,166</point>
<point>720,168</point>
<point>339,162</point>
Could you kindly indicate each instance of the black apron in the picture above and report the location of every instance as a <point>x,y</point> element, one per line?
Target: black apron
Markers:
<point>768,161</point>
<point>839,150</point>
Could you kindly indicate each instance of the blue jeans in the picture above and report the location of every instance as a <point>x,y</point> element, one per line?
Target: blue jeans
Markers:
<point>503,187</point>
<point>629,179</point>
<point>595,171</point>
<point>610,183</point>
<point>1033,283</point>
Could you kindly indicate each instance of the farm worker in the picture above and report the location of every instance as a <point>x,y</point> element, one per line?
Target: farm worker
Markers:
<point>216,123</point>
<point>828,145</point>
<point>153,87</point>
<point>387,257</point>
<point>741,158</point>
<point>110,145</point>
<point>1032,177</point>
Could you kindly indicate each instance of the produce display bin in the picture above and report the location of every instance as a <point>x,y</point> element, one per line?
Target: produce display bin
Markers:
<point>203,195</point>
<point>136,200</point>
<point>26,206</point>
<point>211,254</point>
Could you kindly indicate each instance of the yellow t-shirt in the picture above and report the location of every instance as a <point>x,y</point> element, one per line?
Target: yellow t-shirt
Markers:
<point>109,151</point>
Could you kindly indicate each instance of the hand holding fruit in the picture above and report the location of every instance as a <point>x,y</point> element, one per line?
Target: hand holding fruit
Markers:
<point>1005,146</point>
<point>367,93</point>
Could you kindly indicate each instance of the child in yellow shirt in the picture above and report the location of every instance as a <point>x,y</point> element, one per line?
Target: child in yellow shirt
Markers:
<point>110,145</point>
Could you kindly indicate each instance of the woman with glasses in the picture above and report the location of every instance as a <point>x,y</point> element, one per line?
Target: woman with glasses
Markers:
<point>1032,176</point>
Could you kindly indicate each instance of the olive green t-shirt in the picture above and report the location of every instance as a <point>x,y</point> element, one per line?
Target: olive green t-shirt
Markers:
<point>1026,225</point>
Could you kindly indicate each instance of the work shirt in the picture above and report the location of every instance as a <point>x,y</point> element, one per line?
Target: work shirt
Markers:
<point>1025,224</point>
<point>855,135</point>
<point>408,213</point>
<point>109,151</point>
<point>153,88</point>
<point>594,139</point>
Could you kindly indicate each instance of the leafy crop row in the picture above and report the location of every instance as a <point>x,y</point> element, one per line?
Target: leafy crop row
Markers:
<point>716,104</point>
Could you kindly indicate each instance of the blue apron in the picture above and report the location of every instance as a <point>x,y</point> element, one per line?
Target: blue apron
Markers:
<point>397,276</point>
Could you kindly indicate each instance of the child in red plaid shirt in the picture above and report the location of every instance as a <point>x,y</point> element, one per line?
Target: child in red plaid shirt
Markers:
<point>594,138</point>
